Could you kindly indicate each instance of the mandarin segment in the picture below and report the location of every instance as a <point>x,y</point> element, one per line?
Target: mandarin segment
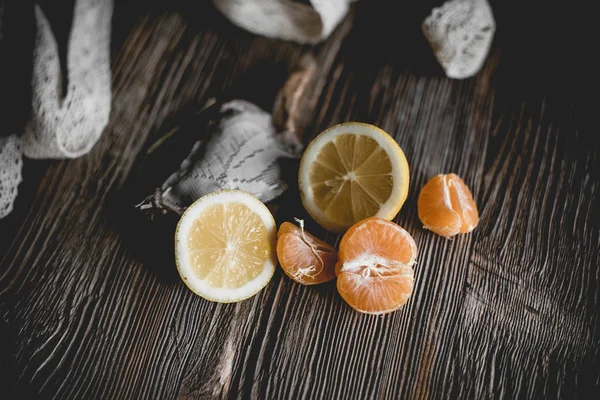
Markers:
<point>463,203</point>
<point>374,270</point>
<point>303,257</point>
<point>446,206</point>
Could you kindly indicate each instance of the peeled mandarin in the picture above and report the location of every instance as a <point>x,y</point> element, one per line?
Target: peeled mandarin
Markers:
<point>375,274</point>
<point>446,206</point>
<point>303,257</point>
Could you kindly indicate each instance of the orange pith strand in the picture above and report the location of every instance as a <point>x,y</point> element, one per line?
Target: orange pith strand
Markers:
<point>303,257</point>
<point>446,206</point>
<point>375,274</point>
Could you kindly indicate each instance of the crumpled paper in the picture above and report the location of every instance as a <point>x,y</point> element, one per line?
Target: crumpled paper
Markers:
<point>63,125</point>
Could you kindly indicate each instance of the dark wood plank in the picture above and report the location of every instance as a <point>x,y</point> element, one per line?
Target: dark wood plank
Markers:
<point>510,310</point>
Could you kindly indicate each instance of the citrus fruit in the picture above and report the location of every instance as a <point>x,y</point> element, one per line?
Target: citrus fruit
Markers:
<point>375,274</point>
<point>350,172</point>
<point>303,257</point>
<point>225,246</point>
<point>446,206</point>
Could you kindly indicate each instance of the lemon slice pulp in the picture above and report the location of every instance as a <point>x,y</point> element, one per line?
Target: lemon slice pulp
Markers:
<point>350,172</point>
<point>225,246</point>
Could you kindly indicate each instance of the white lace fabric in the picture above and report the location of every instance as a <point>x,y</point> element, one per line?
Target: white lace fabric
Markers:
<point>460,33</point>
<point>69,126</point>
<point>11,162</point>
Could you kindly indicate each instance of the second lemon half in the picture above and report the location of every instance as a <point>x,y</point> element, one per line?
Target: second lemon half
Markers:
<point>350,172</point>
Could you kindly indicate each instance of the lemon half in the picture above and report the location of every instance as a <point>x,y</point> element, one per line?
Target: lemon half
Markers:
<point>350,172</point>
<point>225,246</point>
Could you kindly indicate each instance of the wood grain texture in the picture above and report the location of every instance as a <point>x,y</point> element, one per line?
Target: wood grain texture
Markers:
<point>91,306</point>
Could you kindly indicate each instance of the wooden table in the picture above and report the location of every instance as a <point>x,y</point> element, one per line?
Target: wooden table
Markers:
<point>91,305</point>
